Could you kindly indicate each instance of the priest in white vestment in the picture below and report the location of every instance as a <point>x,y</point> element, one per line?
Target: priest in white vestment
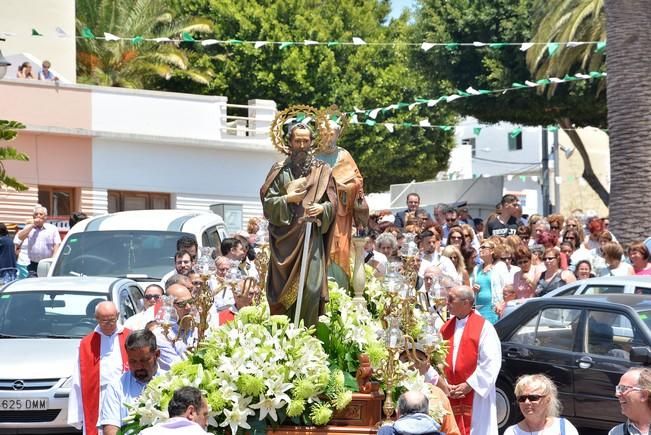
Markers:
<point>471,377</point>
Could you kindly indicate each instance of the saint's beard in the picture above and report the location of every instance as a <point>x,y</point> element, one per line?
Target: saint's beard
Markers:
<point>301,161</point>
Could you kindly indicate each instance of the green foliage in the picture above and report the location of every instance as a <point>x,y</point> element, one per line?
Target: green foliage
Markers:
<point>360,76</point>
<point>8,131</point>
<point>134,63</point>
<point>496,68</point>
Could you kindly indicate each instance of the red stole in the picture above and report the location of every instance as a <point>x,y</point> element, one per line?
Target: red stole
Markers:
<point>465,365</point>
<point>89,358</point>
<point>225,316</point>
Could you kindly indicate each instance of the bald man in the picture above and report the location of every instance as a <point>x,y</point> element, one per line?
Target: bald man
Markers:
<point>101,360</point>
<point>413,416</point>
<point>172,348</point>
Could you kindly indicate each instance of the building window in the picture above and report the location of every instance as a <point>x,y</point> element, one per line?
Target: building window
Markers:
<point>59,201</point>
<point>123,200</point>
<point>473,145</point>
<point>515,143</point>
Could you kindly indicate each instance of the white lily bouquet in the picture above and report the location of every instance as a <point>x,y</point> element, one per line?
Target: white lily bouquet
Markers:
<point>256,370</point>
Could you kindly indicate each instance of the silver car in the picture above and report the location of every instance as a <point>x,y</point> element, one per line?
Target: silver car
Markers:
<point>41,323</point>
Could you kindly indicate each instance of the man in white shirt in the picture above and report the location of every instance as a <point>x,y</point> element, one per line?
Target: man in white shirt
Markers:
<point>188,411</point>
<point>143,356</point>
<point>43,239</point>
<point>471,378</point>
<point>173,347</point>
<point>429,244</point>
<point>101,360</point>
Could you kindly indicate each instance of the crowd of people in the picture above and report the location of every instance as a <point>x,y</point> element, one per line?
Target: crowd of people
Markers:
<point>507,257</point>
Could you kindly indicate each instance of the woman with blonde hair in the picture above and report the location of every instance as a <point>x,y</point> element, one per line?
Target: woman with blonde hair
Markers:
<point>454,254</point>
<point>613,255</point>
<point>537,397</point>
<point>488,281</point>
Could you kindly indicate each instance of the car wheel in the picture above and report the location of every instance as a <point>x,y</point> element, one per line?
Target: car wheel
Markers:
<point>507,410</point>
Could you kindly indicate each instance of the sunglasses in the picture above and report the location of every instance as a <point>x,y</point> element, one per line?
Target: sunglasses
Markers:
<point>183,304</point>
<point>450,220</point>
<point>623,389</point>
<point>456,238</point>
<point>570,238</point>
<point>530,397</point>
<point>150,297</point>
<point>554,228</point>
<point>485,247</point>
<point>549,258</point>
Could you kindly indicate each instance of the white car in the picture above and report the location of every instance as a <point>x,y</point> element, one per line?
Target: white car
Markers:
<point>139,245</point>
<point>42,321</point>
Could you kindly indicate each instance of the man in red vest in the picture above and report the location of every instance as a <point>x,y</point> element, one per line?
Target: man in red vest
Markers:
<point>473,363</point>
<point>101,360</point>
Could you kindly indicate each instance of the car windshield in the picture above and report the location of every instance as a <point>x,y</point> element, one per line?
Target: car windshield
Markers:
<point>645,316</point>
<point>145,254</point>
<point>56,314</point>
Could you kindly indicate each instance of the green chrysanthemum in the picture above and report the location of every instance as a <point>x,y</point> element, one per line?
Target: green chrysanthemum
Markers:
<point>252,314</point>
<point>182,367</point>
<point>211,358</point>
<point>377,353</point>
<point>304,389</point>
<point>295,408</point>
<point>338,379</point>
<point>342,399</point>
<point>279,320</point>
<point>320,414</point>
<point>216,401</point>
<point>250,385</point>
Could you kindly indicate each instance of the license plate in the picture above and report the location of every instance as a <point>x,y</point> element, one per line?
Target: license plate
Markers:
<point>23,404</point>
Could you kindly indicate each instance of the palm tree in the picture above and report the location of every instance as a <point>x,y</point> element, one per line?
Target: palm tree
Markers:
<point>133,63</point>
<point>8,131</point>
<point>570,20</point>
<point>629,117</point>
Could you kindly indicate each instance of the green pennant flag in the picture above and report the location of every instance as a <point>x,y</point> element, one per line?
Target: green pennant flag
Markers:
<point>518,85</point>
<point>407,124</point>
<point>462,93</point>
<point>497,45</point>
<point>569,78</point>
<point>371,122</point>
<point>333,43</point>
<point>300,117</point>
<point>552,128</point>
<point>570,178</point>
<point>476,131</point>
<point>596,74</point>
<point>523,178</point>
<point>601,47</point>
<point>552,48</point>
<point>515,133</point>
<point>87,33</point>
<point>186,37</point>
<point>484,91</point>
<point>36,33</point>
<point>286,44</point>
<point>543,81</point>
<point>422,100</point>
<point>136,40</point>
<point>451,46</point>
<point>234,41</point>
<point>402,105</point>
<point>446,127</point>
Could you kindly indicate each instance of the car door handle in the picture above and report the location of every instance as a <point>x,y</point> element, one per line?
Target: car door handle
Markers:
<point>585,362</point>
<point>513,352</point>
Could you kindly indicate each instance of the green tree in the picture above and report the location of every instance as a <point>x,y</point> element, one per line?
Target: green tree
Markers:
<point>577,104</point>
<point>629,116</point>
<point>8,131</point>
<point>133,63</point>
<point>364,77</point>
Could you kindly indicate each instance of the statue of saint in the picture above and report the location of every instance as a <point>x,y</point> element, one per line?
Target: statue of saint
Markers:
<point>350,185</point>
<point>297,188</point>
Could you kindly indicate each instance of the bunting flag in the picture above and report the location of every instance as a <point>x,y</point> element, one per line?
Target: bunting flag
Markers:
<point>570,179</point>
<point>552,46</point>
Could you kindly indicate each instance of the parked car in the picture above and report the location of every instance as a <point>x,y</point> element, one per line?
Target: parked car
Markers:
<point>595,286</point>
<point>41,323</point>
<point>584,343</point>
<point>133,244</point>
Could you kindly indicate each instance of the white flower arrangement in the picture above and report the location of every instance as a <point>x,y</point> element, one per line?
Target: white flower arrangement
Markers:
<point>256,369</point>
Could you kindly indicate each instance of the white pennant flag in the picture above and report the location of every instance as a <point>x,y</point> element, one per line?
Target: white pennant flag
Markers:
<point>310,42</point>
<point>432,103</point>
<point>574,44</point>
<point>373,113</point>
<point>534,178</point>
<point>353,119</point>
<point>206,42</point>
<point>412,105</point>
<point>531,84</point>
<point>526,46</point>
<point>452,98</point>
<point>559,180</point>
<point>556,80</point>
<point>472,91</point>
<point>358,110</point>
<point>582,182</point>
<point>582,76</point>
<point>358,41</point>
<point>7,34</point>
<point>111,37</point>
<point>509,177</point>
<point>424,123</point>
<point>479,44</point>
<point>389,126</point>
<point>162,39</point>
<point>61,33</point>
<point>425,46</point>
<point>259,44</point>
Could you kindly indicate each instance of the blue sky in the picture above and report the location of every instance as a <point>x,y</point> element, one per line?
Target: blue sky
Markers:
<point>398,5</point>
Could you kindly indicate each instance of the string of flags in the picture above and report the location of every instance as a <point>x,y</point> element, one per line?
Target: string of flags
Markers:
<point>551,47</point>
<point>370,115</point>
<point>571,179</point>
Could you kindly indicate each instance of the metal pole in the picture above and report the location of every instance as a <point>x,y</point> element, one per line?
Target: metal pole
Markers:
<point>545,174</point>
<point>557,173</point>
<point>402,192</point>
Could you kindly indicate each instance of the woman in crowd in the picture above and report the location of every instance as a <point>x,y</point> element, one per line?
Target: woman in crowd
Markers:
<point>556,223</point>
<point>639,256</point>
<point>573,224</point>
<point>583,270</point>
<point>538,400</point>
<point>470,259</point>
<point>25,71</point>
<point>454,254</point>
<point>595,228</point>
<point>613,255</point>
<point>455,238</point>
<point>597,258</point>
<point>488,281</point>
<point>548,239</point>
<point>470,236</point>
<point>579,253</point>
<point>554,277</point>
<point>504,254</point>
<point>524,233</point>
<point>387,245</point>
<point>538,229</point>
<point>524,281</point>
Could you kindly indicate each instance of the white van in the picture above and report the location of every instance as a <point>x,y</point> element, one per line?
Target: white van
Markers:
<point>132,244</point>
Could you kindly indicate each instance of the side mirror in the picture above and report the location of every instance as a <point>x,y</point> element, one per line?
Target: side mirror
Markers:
<point>641,354</point>
<point>44,267</point>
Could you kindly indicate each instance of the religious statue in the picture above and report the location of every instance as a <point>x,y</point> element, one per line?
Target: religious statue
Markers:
<point>299,200</point>
<point>349,183</point>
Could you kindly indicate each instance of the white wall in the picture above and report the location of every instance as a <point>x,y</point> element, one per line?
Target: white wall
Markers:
<point>21,16</point>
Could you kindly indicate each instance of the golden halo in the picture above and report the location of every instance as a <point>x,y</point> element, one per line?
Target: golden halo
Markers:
<point>343,121</point>
<point>318,119</point>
